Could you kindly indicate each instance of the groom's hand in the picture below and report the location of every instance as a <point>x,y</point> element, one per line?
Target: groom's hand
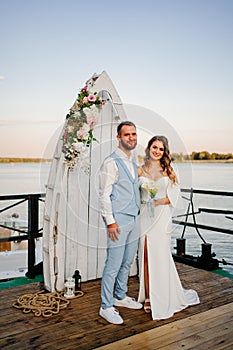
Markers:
<point>113,231</point>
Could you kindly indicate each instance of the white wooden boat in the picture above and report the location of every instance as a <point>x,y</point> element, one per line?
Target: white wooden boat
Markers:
<point>74,237</point>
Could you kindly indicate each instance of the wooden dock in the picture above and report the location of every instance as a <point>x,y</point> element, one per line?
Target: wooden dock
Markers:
<point>205,326</point>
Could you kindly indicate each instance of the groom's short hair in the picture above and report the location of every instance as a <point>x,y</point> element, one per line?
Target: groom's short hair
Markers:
<point>120,126</point>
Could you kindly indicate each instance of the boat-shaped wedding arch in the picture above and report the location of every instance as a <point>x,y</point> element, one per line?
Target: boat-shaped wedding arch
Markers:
<point>74,237</point>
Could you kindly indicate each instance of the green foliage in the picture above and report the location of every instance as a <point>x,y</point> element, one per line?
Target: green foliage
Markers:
<point>204,155</point>
<point>179,157</point>
<point>201,156</point>
<point>23,160</point>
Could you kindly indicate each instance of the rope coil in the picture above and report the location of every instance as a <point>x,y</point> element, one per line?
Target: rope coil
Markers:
<point>44,304</point>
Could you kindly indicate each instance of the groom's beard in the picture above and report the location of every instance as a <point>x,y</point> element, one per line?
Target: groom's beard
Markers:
<point>129,146</point>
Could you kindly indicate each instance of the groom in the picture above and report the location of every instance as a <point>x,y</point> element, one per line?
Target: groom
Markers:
<point>120,205</point>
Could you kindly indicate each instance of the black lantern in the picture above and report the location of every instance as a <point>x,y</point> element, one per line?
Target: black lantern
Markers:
<point>77,278</point>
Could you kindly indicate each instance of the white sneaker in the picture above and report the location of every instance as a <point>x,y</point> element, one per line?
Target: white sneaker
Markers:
<point>131,303</point>
<point>111,315</point>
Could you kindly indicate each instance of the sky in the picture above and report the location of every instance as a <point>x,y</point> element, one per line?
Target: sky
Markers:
<point>172,58</point>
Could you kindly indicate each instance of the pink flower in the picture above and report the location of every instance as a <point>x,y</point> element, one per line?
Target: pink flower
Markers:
<point>85,88</point>
<point>92,120</point>
<point>91,98</point>
<point>82,133</point>
<point>85,99</point>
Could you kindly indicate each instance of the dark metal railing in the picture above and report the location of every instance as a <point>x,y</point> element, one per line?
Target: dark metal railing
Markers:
<point>32,232</point>
<point>206,260</point>
<point>192,212</point>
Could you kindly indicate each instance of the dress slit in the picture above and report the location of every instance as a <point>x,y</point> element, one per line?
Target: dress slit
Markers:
<point>146,270</point>
<point>159,279</point>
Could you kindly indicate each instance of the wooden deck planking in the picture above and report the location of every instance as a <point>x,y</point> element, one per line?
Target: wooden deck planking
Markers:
<point>210,328</point>
<point>80,327</point>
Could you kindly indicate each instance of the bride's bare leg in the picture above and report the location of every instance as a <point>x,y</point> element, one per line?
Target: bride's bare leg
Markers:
<point>146,278</point>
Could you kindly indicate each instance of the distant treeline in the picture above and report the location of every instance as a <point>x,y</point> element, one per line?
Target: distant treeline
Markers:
<point>23,160</point>
<point>203,155</point>
<point>176,157</point>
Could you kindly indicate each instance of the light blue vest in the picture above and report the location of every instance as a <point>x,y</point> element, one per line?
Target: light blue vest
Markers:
<point>125,195</point>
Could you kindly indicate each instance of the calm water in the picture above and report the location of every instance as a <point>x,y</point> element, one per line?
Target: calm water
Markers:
<point>23,178</point>
<point>31,178</point>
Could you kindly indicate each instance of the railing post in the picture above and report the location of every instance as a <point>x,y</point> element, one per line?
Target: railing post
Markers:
<point>33,226</point>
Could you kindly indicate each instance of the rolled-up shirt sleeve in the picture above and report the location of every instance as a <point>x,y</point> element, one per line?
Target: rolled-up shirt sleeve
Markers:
<point>108,176</point>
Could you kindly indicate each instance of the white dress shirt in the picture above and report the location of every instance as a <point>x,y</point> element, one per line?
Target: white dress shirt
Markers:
<point>108,177</point>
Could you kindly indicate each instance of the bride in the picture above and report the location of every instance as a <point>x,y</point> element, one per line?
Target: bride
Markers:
<point>160,287</point>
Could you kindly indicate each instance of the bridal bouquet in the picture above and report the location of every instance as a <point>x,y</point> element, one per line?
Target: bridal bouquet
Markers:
<point>152,191</point>
<point>78,134</point>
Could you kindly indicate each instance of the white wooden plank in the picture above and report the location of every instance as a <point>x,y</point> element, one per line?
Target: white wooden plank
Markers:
<point>72,203</point>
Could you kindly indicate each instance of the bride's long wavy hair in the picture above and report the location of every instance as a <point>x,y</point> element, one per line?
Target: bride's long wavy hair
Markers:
<point>165,161</point>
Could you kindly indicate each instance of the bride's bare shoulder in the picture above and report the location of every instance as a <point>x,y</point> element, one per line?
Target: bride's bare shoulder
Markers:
<point>140,171</point>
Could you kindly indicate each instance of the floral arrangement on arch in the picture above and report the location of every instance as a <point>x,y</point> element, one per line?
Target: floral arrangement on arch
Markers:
<point>78,134</point>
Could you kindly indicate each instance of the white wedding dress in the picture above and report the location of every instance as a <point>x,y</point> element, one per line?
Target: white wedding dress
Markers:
<point>167,295</point>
